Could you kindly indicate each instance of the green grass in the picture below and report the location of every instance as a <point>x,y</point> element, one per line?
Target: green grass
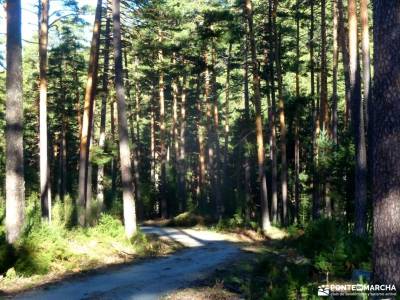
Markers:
<point>46,252</point>
<point>293,268</point>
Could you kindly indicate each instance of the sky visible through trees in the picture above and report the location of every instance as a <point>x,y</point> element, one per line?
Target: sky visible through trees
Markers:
<point>29,17</point>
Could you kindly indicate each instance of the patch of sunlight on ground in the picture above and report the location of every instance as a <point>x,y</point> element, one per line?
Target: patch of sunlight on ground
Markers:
<point>275,233</point>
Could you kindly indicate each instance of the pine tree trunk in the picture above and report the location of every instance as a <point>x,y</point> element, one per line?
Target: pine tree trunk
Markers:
<point>265,220</point>
<point>274,161</point>
<point>366,77</point>
<point>134,159</point>
<point>202,154</point>
<point>343,41</point>
<point>209,153</point>
<point>283,129</point>
<point>311,42</point>
<point>153,140</point>
<point>272,115</point>
<point>246,129</point>
<point>324,110</point>
<point>62,139</point>
<point>137,119</point>
<point>360,190</point>
<point>246,77</point>
<point>215,140</point>
<point>386,143</point>
<point>324,113</point>
<point>175,123</point>
<point>334,73</point>
<point>87,116</point>
<point>128,188</point>
<point>136,135</point>
<point>227,116</point>
<point>15,191</point>
<point>182,148</point>
<point>315,196</point>
<point>163,147</point>
<point>78,101</point>
<point>113,160</point>
<point>103,113</point>
<point>43,142</point>
<point>297,119</point>
<point>89,189</point>
<point>62,163</point>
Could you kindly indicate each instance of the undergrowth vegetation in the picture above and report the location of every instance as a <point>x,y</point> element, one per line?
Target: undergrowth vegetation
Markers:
<point>57,249</point>
<point>292,268</point>
<point>333,250</point>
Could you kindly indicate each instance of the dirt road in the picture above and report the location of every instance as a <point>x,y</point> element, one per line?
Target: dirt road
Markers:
<point>153,278</point>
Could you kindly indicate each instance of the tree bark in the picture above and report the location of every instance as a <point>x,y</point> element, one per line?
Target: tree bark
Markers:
<point>366,65</point>
<point>315,196</point>
<point>128,188</point>
<point>246,77</point>
<point>182,148</point>
<point>209,157</point>
<point>343,41</point>
<point>175,123</point>
<point>311,42</point>
<point>89,189</point>
<point>88,115</point>
<point>202,154</point>
<point>283,129</point>
<point>360,189</point>
<point>246,130</point>
<point>297,120</point>
<point>265,220</point>
<point>45,186</point>
<point>62,138</point>
<point>134,159</point>
<point>137,112</point>
<point>227,116</point>
<point>324,113</point>
<point>15,183</point>
<point>153,139</point>
<point>324,109</point>
<point>215,139</point>
<point>103,113</point>
<point>113,160</point>
<point>386,143</point>
<point>163,147</point>
<point>334,73</point>
<point>272,114</point>
<point>62,156</point>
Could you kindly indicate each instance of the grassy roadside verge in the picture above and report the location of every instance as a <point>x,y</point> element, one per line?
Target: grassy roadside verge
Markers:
<point>288,264</point>
<point>50,253</point>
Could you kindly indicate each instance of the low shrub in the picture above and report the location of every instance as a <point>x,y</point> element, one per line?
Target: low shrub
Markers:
<point>45,248</point>
<point>187,219</point>
<point>40,248</point>
<point>109,226</point>
<point>332,249</point>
